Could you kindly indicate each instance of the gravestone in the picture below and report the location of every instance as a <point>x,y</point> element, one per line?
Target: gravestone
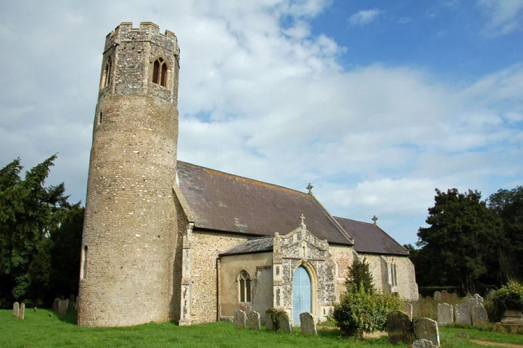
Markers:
<point>308,324</point>
<point>284,323</point>
<point>399,327</point>
<point>62,307</point>
<point>444,296</point>
<point>462,314</point>
<point>437,296</point>
<point>463,334</point>
<point>473,300</point>
<point>22,311</point>
<point>445,314</point>
<point>16,309</point>
<point>71,303</point>
<point>269,321</point>
<point>35,309</point>
<point>409,309</point>
<point>512,316</point>
<point>423,343</point>
<point>55,305</point>
<point>66,304</point>
<point>425,328</point>
<point>239,319</point>
<point>254,320</point>
<point>479,315</point>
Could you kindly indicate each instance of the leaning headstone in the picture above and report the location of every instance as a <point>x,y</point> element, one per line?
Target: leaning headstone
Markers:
<point>423,343</point>
<point>399,327</point>
<point>445,314</point>
<point>437,296</point>
<point>425,328</point>
<point>16,309</point>
<point>269,321</point>
<point>308,324</point>
<point>22,311</point>
<point>479,315</point>
<point>463,316</point>
<point>239,319</point>
<point>254,320</point>
<point>284,323</point>
<point>409,309</point>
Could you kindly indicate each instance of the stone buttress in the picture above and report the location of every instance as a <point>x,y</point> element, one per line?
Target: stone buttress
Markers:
<point>129,236</point>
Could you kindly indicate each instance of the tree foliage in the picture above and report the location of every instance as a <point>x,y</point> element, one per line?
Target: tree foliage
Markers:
<point>359,276</point>
<point>462,245</point>
<point>508,205</point>
<point>34,221</point>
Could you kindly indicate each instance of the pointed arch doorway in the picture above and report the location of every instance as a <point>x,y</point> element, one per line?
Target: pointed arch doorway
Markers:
<point>301,294</point>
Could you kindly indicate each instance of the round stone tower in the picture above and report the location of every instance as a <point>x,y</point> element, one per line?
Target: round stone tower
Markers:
<point>129,236</point>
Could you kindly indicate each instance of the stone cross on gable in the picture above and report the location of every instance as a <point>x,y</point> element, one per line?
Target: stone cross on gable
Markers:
<point>374,218</point>
<point>302,218</point>
<point>309,187</point>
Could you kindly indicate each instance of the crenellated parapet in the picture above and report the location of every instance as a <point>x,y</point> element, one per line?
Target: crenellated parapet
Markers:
<point>147,31</point>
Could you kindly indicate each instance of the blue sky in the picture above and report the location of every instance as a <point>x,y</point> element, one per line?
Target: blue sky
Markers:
<point>376,103</point>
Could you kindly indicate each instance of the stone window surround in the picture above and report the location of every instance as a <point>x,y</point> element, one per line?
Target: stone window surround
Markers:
<point>244,280</point>
<point>160,75</point>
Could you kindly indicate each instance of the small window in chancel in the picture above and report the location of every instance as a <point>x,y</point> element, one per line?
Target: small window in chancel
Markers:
<point>244,284</point>
<point>160,70</point>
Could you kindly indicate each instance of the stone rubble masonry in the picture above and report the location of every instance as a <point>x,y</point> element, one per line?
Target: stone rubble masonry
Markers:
<point>308,324</point>
<point>130,229</point>
<point>445,314</point>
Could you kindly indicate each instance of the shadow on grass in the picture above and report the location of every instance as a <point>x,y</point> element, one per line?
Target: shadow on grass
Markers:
<point>69,317</point>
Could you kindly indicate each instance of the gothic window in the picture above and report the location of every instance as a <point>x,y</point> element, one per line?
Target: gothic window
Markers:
<point>393,274</point>
<point>106,75</point>
<point>83,271</point>
<point>244,284</point>
<point>160,69</point>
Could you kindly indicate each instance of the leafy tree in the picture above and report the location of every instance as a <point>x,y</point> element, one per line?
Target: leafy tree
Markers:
<point>508,205</point>
<point>30,213</point>
<point>359,277</point>
<point>462,245</point>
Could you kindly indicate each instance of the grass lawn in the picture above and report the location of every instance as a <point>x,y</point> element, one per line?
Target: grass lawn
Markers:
<point>39,330</point>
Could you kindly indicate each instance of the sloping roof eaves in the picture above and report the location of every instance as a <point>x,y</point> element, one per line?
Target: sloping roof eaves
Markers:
<point>251,246</point>
<point>371,239</point>
<point>224,202</point>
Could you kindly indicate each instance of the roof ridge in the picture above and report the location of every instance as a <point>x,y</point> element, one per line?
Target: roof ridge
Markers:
<point>244,177</point>
<point>333,219</point>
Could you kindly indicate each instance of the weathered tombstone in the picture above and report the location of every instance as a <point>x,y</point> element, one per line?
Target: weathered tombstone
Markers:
<point>479,315</point>
<point>437,296</point>
<point>35,309</point>
<point>473,300</point>
<point>425,328</point>
<point>66,304</point>
<point>55,305</point>
<point>409,309</point>
<point>254,320</point>
<point>22,311</point>
<point>399,327</point>
<point>512,316</point>
<point>423,343</point>
<point>16,309</point>
<point>71,303</point>
<point>62,307</point>
<point>308,324</point>
<point>269,321</point>
<point>463,316</point>
<point>50,315</point>
<point>284,323</point>
<point>445,314</point>
<point>239,319</point>
<point>444,296</point>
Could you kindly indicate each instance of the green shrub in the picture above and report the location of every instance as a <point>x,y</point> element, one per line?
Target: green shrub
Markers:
<point>275,314</point>
<point>360,311</point>
<point>509,296</point>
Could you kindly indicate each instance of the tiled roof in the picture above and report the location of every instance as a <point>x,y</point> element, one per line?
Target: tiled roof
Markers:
<point>225,202</point>
<point>369,238</point>
<point>258,245</point>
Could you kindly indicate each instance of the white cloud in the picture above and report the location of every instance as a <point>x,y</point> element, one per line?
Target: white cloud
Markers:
<point>364,17</point>
<point>267,101</point>
<point>505,16</point>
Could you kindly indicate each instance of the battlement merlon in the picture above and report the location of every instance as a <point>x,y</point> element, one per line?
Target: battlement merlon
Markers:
<point>147,32</point>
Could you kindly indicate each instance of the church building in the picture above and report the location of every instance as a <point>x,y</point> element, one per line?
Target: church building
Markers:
<point>170,240</point>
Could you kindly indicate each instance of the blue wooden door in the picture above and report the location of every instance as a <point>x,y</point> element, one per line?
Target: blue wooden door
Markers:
<point>301,294</point>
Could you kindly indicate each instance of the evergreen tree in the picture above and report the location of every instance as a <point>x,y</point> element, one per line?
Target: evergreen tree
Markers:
<point>359,277</point>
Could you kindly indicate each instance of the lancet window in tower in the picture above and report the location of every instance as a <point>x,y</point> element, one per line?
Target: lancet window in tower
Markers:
<point>160,69</point>
<point>106,76</point>
<point>244,283</point>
